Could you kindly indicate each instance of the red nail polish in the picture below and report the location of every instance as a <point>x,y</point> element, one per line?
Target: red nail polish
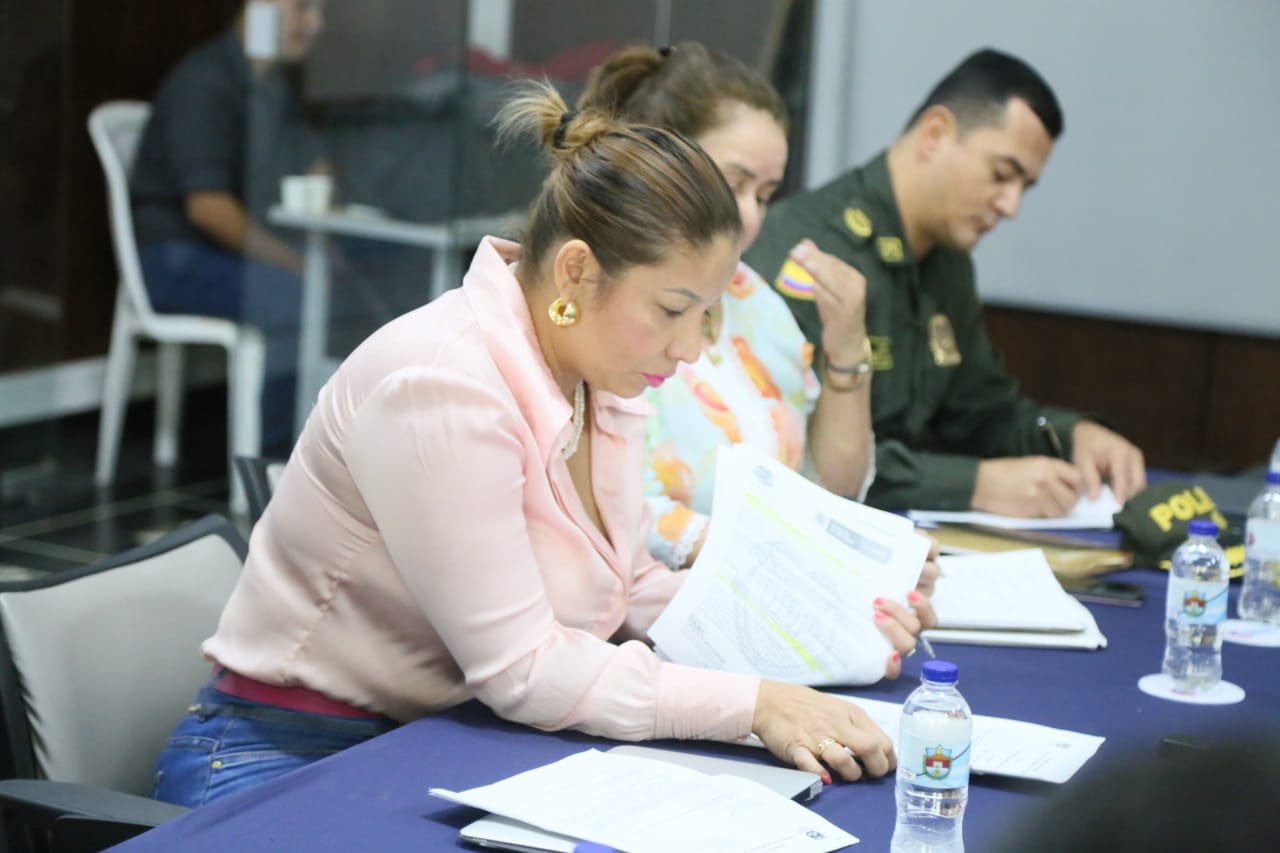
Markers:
<point>914,596</point>
<point>879,602</point>
<point>895,656</point>
<point>880,616</point>
<point>826,778</point>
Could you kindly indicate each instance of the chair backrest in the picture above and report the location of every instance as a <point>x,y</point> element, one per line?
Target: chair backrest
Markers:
<point>97,664</point>
<point>259,477</point>
<point>116,130</point>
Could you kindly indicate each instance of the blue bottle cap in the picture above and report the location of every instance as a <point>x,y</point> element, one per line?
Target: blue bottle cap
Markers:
<point>940,671</point>
<point>1273,478</point>
<point>1201,527</point>
<point>592,847</point>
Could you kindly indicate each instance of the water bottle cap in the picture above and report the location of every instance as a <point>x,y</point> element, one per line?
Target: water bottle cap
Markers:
<point>940,671</point>
<point>1201,527</point>
<point>1273,478</point>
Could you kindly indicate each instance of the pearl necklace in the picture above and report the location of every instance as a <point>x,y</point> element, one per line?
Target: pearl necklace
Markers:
<point>579,412</point>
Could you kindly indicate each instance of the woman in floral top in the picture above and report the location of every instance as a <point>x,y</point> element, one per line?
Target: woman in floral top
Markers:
<point>754,382</point>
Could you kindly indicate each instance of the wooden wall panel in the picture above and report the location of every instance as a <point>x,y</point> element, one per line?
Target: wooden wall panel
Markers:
<point>63,252</point>
<point>1178,393</point>
<point>118,50</point>
<point>1243,407</point>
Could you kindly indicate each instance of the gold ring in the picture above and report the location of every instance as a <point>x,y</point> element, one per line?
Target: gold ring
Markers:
<point>823,744</point>
<point>910,653</point>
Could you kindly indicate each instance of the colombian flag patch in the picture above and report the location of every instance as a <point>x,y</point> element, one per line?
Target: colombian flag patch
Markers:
<point>795,281</point>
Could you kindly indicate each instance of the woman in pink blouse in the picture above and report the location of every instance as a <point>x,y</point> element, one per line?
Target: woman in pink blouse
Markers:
<point>463,517</point>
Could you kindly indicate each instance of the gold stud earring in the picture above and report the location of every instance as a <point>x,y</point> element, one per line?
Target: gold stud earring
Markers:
<point>563,313</point>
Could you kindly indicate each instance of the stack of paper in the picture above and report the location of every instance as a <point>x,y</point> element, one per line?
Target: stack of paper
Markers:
<point>1004,747</point>
<point>784,584</point>
<point>1001,747</point>
<point>1088,513</point>
<point>646,806</point>
<point>1009,599</point>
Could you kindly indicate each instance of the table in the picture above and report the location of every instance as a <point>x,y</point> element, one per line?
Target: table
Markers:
<point>374,796</point>
<point>448,240</point>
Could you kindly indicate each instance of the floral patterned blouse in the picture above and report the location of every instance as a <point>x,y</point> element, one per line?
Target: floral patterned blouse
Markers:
<point>754,384</point>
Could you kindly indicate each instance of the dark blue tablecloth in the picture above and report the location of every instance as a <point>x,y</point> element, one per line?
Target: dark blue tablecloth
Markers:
<point>374,797</point>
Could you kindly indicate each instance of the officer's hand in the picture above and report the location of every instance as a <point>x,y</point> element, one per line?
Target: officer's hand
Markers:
<point>810,729</point>
<point>840,292</point>
<point>1101,454</point>
<point>1027,487</point>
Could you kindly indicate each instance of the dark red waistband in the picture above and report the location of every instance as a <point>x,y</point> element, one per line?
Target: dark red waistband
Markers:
<point>294,698</point>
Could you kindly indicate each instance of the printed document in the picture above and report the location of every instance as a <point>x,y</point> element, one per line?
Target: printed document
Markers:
<point>1087,514</point>
<point>1004,747</point>
<point>783,586</point>
<point>646,806</point>
<point>1008,599</point>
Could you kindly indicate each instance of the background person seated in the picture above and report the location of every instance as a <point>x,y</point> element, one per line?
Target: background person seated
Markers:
<point>224,130</point>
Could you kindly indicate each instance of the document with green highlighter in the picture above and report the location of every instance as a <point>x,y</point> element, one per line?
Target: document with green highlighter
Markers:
<point>784,584</point>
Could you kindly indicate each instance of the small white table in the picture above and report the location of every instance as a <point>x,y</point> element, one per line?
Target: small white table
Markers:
<point>447,240</point>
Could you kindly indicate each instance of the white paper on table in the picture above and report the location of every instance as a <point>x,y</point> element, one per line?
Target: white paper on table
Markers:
<point>1008,599</point>
<point>640,805</point>
<point>1004,747</point>
<point>1087,514</point>
<point>783,586</point>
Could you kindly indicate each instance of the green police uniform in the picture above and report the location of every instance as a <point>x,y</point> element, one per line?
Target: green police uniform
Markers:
<point>941,399</point>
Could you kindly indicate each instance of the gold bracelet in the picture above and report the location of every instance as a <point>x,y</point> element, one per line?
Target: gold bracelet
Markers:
<point>852,383</point>
<point>856,375</point>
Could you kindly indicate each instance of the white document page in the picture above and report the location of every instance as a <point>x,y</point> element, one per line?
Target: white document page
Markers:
<point>1087,514</point>
<point>1008,599</point>
<point>783,586</point>
<point>1005,747</point>
<point>645,806</point>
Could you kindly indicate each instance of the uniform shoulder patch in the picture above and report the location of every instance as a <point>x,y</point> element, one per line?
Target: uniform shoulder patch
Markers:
<point>794,281</point>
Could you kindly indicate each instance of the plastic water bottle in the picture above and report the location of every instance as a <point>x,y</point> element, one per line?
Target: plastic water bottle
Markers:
<point>1195,606</point>
<point>1260,598</point>
<point>1275,457</point>
<point>933,764</point>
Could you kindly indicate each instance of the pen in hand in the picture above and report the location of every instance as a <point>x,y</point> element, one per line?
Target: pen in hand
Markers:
<point>1051,437</point>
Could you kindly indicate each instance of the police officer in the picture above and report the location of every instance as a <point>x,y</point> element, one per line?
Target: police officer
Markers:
<point>952,431</point>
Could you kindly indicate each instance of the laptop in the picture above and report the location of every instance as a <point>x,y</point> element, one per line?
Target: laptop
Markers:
<point>501,833</point>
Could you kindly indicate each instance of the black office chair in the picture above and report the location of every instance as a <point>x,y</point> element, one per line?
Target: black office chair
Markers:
<point>97,665</point>
<point>259,478</point>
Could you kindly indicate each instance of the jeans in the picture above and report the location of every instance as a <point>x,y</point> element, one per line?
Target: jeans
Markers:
<point>190,277</point>
<point>225,745</point>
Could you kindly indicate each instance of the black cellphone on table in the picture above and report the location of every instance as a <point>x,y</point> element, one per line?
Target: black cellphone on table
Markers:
<point>1099,591</point>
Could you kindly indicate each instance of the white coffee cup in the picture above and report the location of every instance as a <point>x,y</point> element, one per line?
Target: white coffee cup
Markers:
<point>319,193</point>
<point>306,193</point>
<point>295,193</point>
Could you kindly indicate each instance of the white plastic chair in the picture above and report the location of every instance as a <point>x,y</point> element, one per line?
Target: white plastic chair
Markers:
<point>116,129</point>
